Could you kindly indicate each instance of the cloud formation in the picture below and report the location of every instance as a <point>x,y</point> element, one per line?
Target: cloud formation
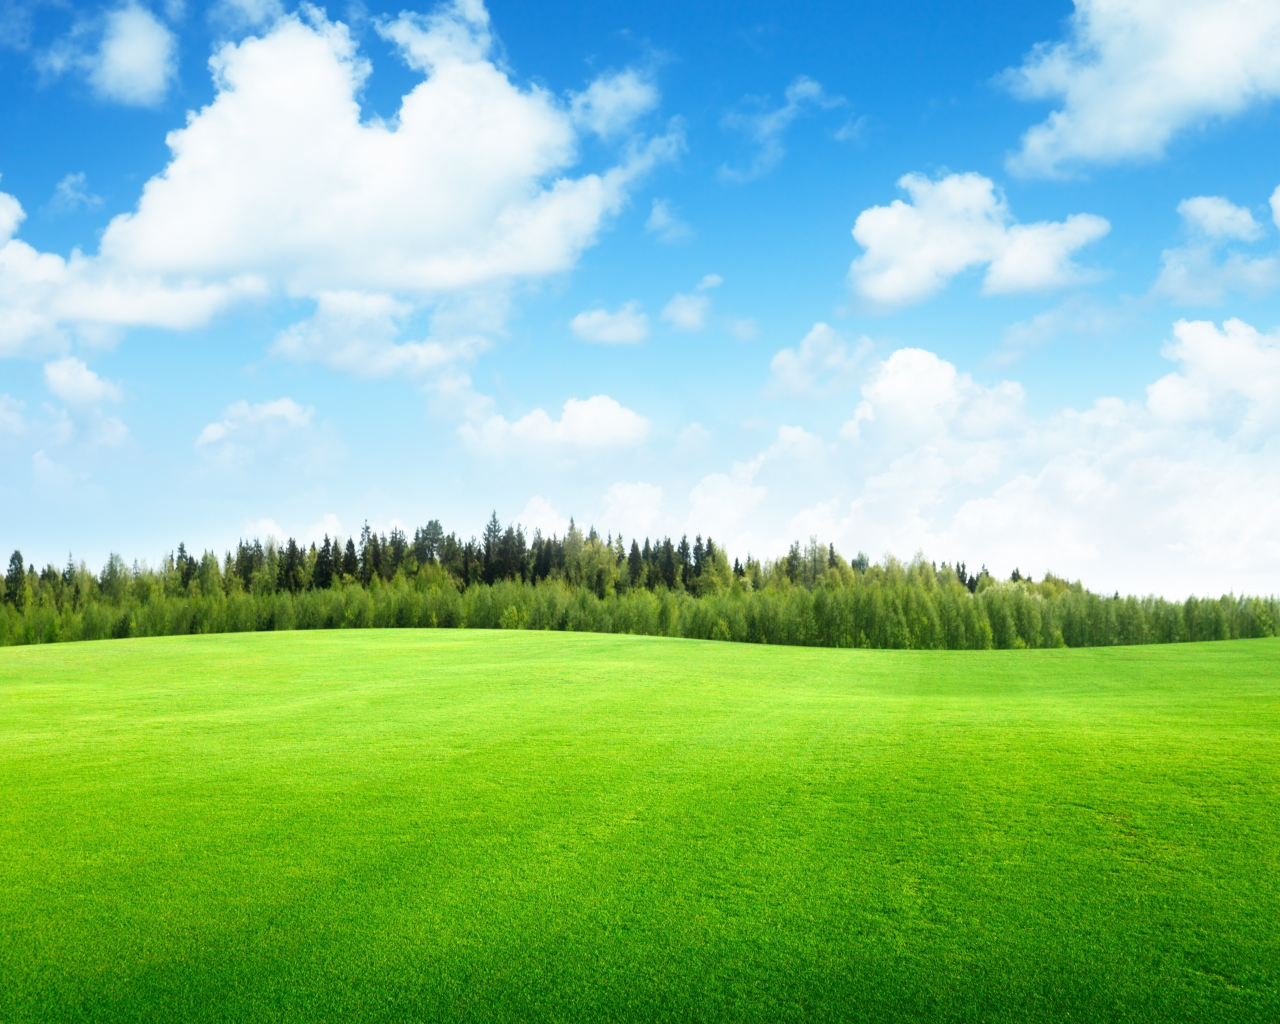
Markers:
<point>823,362</point>
<point>913,249</point>
<point>129,57</point>
<point>585,424</point>
<point>1174,494</point>
<point>666,224</point>
<point>73,382</point>
<point>1132,74</point>
<point>766,128</point>
<point>628,326</point>
<point>280,186</point>
<point>1194,274</point>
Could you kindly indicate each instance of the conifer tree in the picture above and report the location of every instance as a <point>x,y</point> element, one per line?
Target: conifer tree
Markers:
<point>14,579</point>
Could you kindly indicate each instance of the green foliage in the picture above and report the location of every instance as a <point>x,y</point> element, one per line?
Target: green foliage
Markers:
<point>810,597</point>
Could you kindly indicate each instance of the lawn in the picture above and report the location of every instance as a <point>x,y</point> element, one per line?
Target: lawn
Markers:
<point>463,825</point>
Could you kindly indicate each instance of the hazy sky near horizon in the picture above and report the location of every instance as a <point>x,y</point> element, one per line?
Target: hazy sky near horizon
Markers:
<point>993,281</point>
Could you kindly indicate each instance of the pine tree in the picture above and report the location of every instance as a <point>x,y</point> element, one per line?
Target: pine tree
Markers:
<point>635,564</point>
<point>14,579</point>
<point>322,577</point>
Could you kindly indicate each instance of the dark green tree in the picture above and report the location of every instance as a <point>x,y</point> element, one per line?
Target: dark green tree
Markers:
<point>322,576</point>
<point>14,579</point>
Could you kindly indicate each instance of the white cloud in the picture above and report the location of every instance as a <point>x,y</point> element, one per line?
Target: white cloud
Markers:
<point>1075,316</point>
<point>593,423</point>
<point>958,222</point>
<point>1134,73</point>
<point>76,384</point>
<point>721,504</point>
<point>628,326</point>
<point>914,393</point>
<point>128,56</point>
<point>687,312</point>
<point>11,215</point>
<point>665,222</point>
<point>264,529</point>
<point>1193,274</point>
<point>1175,494</point>
<point>539,514</point>
<point>280,186</point>
<point>631,510</point>
<point>1229,376</point>
<point>72,193</point>
<point>766,127</point>
<point>137,59</point>
<point>822,362</point>
<point>1217,217</point>
<point>11,420</point>
<point>356,332</point>
<point>610,105</point>
<point>246,426</point>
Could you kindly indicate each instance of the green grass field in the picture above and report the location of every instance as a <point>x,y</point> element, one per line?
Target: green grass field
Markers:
<point>453,825</point>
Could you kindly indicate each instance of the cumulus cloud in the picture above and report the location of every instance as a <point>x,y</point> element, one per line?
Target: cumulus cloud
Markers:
<point>356,332</point>
<point>539,514</point>
<point>1132,74</point>
<point>914,394</point>
<point>628,326</point>
<point>1217,217</point>
<point>665,223</point>
<point>687,312</point>
<point>632,510</point>
<point>766,128</point>
<point>1193,273</point>
<point>584,424</point>
<point>243,422</point>
<point>279,186</point>
<point>73,382</point>
<point>1229,376</point>
<point>912,249</point>
<point>1172,493</point>
<point>822,362</point>
<point>610,105</point>
<point>129,57</point>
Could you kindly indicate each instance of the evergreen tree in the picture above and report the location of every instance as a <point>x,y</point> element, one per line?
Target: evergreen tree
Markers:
<point>14,579</point>
<point>291,568</point>
<point>322,576</point>
<point>396,549</point>
<point>635,564</point>
<point>492,539</point>
<point>350,563</point>
<point>684,567</point>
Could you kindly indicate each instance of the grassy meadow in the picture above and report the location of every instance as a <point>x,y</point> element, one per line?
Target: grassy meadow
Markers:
<point>403,825</point>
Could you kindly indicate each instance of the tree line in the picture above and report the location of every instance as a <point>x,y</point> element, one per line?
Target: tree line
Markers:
<point>507,579</point>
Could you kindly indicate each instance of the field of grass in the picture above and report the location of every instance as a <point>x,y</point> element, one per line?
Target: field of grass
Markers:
<point>463,825</point>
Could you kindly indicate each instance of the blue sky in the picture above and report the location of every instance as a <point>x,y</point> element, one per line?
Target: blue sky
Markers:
<point>990,281</point>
